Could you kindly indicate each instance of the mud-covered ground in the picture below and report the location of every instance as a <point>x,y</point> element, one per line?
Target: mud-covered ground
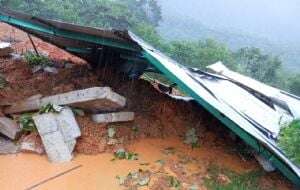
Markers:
<point>219,159</point>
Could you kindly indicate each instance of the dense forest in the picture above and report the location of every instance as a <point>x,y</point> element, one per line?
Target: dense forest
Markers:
<point>143,17</point>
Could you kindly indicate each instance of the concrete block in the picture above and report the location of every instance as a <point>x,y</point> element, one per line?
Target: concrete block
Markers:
<point>56,148</point>
<point>9,127</point>
<point>45,123</point>
<point>67,124</point>
<point>71,144</point>
<point>113,117</point>
<point>30,104</point>
<point>58,132</point>
<point>96,98</point>
<point>8,147</point>
<point>5,49</point>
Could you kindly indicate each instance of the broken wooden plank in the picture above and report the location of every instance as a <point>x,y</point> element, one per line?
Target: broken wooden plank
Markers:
<point>113,117</point>
<point>96,98</point>
<point>9,127</point>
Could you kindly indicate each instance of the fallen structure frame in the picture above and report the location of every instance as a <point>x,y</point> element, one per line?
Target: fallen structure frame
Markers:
<point>250,109</point>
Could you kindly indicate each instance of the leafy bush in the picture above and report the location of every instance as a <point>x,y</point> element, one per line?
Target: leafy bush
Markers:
<point>27,123</point>
<point>36,60</point>
<point>289,140</point>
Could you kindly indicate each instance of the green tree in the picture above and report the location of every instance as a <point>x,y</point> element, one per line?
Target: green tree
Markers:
<point>200,54</point>
<point>294,84</point>
<point>263,67</point>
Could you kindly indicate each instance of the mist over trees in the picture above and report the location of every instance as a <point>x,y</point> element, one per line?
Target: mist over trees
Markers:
<point>143,18</point>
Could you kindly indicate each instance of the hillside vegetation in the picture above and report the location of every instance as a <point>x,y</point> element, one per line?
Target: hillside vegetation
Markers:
<point>143,17</point>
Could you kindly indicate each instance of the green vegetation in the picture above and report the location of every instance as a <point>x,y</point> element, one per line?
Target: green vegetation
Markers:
<point>289,139</point>
<point>294,84</point>
<point>50,108</point>
<point>36,60</point>
<point>230,180</point>
<point>174,182</point>
<point>143,18</point>
<point>3,82</point>
<point>121,154</point>
<point>27,123</point>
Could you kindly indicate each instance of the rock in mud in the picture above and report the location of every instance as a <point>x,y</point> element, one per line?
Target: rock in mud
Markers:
<point>52,70</point>
<point>7,146</point>
<point>113,117</point>
<point>93,99</point>
<point>9,127</point>
<point>32,143</point>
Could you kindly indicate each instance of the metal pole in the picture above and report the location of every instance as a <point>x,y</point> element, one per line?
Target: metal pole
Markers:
<point>34,47</point>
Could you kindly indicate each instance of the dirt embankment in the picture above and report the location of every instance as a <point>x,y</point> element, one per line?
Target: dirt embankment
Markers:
<point>157,116</point>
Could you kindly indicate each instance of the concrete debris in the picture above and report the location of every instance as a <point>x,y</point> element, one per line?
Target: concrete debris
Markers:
<point>93,99</point>
<point>52,70</point>
<point>16,57</point>
<point>69,65</point>
<point>266,164</point>
<point>58,132</point>
<point>32,143</point>
<point>113,117</point>
<point>5,49</point>
<point>9,127</point>
<point>7,146</point>
<point>36,68</point>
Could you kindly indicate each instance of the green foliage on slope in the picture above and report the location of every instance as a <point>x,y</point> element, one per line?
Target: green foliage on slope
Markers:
<point>289,140</point>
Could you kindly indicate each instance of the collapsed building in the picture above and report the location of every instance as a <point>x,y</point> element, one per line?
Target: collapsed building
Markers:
<point>250,109</point>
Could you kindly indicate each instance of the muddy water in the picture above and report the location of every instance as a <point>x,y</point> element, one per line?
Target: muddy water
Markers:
<point>24,170</point>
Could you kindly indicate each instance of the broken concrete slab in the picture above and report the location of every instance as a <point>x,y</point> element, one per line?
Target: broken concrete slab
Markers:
<point>68,124</point>
<point>52,70</point>
<point>96,98</point>
<point>7,146</point>
<point>46,123</point>
<point>113,117</point>
<point>58,133</point>
<point>5,49</point>
<point>9,127</point>
<point>56,148</point>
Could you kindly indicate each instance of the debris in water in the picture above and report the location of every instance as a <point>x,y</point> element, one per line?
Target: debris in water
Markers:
<point>121,154</point>
<point>9,127</point>
<point>7,146</point>
<point>32,143</point>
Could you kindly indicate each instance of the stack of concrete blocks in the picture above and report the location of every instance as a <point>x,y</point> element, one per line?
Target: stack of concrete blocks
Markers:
<point>58,132</point>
